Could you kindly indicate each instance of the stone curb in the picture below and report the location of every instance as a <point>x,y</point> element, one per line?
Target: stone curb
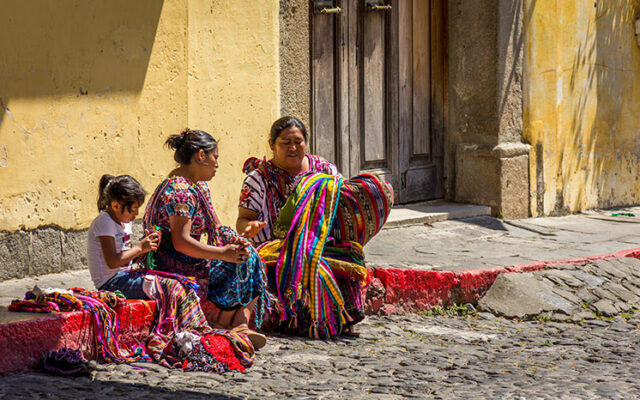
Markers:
<point>392,291</point>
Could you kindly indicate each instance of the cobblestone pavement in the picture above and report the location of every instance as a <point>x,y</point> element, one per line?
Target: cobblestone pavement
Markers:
<point>412,356</point>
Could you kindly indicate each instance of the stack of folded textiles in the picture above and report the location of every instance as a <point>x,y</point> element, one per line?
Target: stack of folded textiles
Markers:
<point>178,310</point>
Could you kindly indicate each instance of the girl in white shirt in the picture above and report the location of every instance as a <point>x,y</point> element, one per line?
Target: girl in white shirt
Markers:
<point>109,248</point>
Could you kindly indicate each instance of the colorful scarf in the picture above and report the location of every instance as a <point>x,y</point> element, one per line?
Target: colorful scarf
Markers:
<point>178,309</point>
<point>105,322</point>
<point>279,183</point>
<point>365,204</point>
<point>304,278</point>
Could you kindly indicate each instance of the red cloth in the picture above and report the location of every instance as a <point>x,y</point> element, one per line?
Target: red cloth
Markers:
<point>220,347</point>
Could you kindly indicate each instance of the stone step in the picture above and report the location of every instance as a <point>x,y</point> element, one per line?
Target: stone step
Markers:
<point>431,212</point>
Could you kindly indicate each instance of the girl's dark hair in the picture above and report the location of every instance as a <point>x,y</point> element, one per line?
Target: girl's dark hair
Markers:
<point>124,189</point>
<point>284,123</point>
<point>188,142</point>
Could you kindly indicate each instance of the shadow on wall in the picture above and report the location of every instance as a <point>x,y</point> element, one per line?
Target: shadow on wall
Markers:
<point>603,133</point>
<point>512,68</point>
<point>74,47</point>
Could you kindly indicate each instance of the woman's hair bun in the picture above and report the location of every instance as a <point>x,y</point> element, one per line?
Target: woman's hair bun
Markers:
<point>188,142</point>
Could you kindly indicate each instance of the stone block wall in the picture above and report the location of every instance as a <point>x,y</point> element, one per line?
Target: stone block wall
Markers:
<point>45,250</point>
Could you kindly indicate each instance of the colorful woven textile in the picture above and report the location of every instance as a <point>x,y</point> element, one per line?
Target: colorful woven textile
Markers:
<point>105,323</point>
<point>179,310</point>
<point>187,281</point>
<point>64,301</point>
<point>365,204</point>
<point>233,285</point>
<point>267,187</point>
<point>317,267</point>
<point>304,278</point>
<point>346,259</point>
<point>33,306</point>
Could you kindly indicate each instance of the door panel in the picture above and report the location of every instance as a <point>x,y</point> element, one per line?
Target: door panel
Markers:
<point>421,74</point>
<point>378,93</point>
<point>323,88</point>
<point>373,135</point>
<point>420,148</point>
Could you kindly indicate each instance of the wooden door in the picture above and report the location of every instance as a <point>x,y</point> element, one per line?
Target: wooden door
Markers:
<point>377,91</point>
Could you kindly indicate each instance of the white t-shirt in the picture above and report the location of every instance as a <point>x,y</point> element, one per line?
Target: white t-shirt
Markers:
<point>104,225</point>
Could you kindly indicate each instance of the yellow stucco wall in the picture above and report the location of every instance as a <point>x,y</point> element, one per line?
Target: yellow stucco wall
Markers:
<point>582,104</point>
<point>93,87</point>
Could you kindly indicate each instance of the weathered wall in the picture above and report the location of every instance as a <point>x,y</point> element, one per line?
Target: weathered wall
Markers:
<point>233,85</point>
<point>85,87</point>
<point>93,87</point>
<point>295,80</point>
<point>581,104</point>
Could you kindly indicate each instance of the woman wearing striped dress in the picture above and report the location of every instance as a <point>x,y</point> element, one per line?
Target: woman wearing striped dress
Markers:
<point>300,198</point>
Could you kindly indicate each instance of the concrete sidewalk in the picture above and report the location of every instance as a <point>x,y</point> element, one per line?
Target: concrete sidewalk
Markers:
<point>482,242</point>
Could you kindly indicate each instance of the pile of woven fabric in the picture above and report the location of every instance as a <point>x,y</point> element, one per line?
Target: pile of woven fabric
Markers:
<point>316,264</point>
<point>180,338</point>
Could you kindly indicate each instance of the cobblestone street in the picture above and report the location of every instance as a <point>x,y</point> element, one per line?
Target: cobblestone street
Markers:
<point>412,356</point>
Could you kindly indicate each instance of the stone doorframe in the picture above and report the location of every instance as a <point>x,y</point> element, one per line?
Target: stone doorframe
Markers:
<point>485,153</point>
<point>485,158</point>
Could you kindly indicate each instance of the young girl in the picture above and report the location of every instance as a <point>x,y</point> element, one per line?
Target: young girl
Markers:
<point>109,248</point>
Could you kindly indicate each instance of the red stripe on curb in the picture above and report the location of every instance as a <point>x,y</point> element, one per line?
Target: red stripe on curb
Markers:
<point>395,290</point>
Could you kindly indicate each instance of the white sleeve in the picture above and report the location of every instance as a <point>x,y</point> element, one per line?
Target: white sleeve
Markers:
<point>105,227</point>
<point>334,169</point>
<point>253,193</point>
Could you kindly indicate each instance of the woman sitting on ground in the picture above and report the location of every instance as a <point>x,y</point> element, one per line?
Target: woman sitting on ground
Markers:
<point>310,225</point>
<point>229,271</point>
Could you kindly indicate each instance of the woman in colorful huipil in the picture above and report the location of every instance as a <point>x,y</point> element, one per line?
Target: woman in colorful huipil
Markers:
<point>309,224</point>
<point>228,269</point>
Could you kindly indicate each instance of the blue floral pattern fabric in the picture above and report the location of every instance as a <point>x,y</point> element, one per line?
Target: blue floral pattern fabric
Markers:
<point>232,285</point>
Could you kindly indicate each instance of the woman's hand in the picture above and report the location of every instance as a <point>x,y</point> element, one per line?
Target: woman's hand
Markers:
<point>235,252</point>
<point>247,223</point>
<point>252,229</point>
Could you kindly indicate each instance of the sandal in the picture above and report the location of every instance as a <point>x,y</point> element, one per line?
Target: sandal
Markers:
<point>350,332</point>
<point>257,339</point>
<point>66,362</point>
